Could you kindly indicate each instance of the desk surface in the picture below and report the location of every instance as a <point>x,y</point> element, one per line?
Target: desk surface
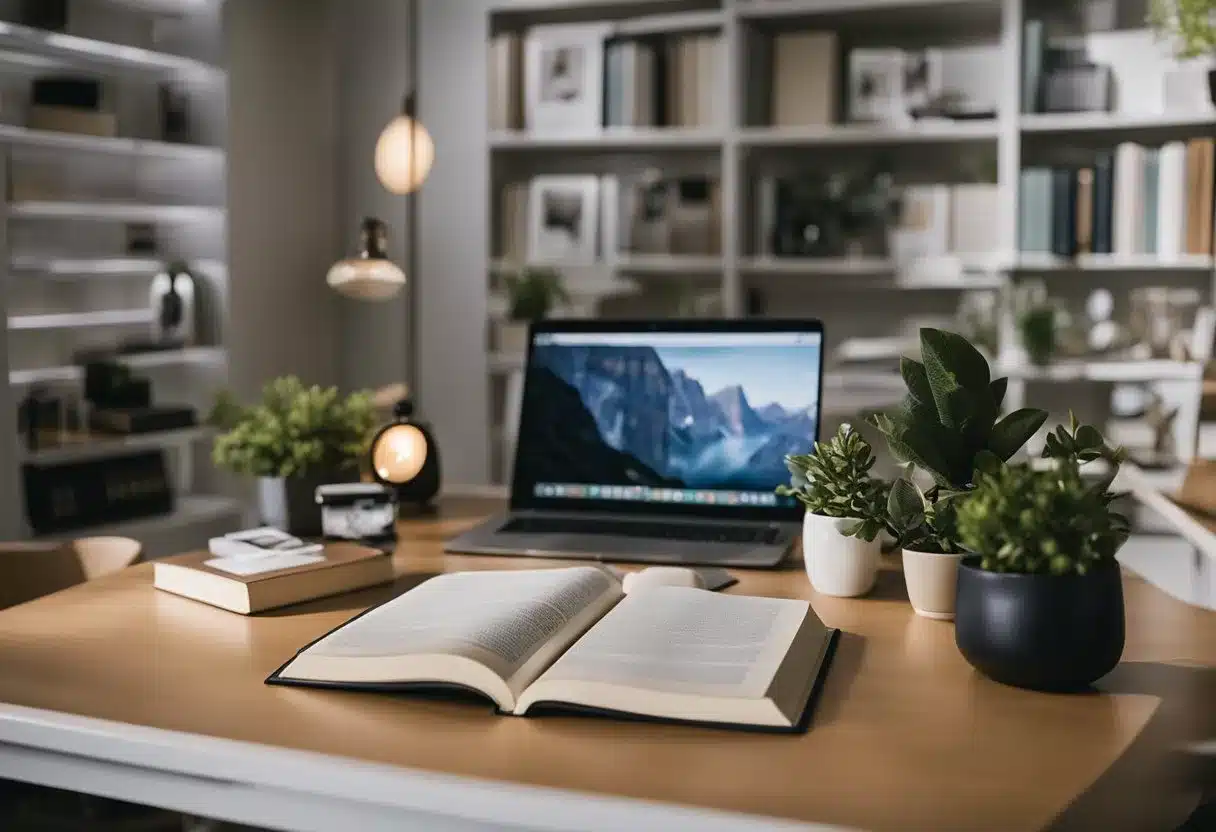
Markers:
<point>905,736</point>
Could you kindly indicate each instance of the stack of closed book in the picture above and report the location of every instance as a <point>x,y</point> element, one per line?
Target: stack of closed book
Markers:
<point>1134,201</point>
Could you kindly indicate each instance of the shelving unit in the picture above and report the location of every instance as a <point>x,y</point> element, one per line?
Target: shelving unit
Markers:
<point>75,281</point>
<point>851,294</point>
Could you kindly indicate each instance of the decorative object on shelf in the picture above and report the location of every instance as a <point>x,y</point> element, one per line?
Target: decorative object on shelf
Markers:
<point>365,512</point>
<point>837,216</point>
<point>1040,603</point>
<point>978,320</point>
<point>532,294</point>
<point>1078,88</point>
<point>293,440</point>
<point>845,512</point>
<point>1161,420</point>
<point>141,239</point>
<point>947,426</point>
<point>1191,25</point>
<point>172,296</point>
<point>130,421</point>
<point>70,104</point>
<point>65,496</point>
<point>112,384</point>
<point>40,418</point>
<point>563,215</point>
<point>174,103</point>
<point>563,78</point>
<point>370,275</point>
<point>876,86</point>
<point>404,456</point>
<point>922,229</point>
<point>51,15</point>
<point>1038,327</point>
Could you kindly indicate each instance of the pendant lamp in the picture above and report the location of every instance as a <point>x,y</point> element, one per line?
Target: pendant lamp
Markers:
<point>370,275</point>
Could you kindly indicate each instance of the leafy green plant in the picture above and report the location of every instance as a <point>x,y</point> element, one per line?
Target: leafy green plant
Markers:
<point>1038,327</point>
<point>1191,24</point>
<point>835,481</point>
<point>533,292</point>
<point>293,431</point>
<point>1051,521</point>
<point>948,425</point>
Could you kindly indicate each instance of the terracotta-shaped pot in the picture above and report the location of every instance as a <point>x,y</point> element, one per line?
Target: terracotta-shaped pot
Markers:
<point>931,579</point>
<point>838,565</point>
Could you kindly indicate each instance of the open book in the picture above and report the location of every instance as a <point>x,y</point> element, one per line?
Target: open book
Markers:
<point>568,638</point>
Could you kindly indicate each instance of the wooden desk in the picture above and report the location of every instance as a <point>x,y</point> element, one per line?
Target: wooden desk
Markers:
<point>117,689</point>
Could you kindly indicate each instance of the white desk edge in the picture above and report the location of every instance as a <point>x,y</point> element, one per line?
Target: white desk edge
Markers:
<point>282,788</point>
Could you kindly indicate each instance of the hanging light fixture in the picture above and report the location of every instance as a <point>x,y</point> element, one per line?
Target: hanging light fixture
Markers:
<point>404,152</point>
<point>370,275</point>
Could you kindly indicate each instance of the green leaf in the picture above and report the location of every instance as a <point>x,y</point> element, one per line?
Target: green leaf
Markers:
<point>905,504</point>
<point>948,354</point>
<point>1014,431</point>
<point>913,446</point>
<point>986,462</point>
<point>997,388</point>
<point>1087,436</point>
<point>917,380</point>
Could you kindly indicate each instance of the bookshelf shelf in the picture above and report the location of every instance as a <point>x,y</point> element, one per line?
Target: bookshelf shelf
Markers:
<point>102,445</point>
<point>80,320</point>
<point>611,140</point>
<point>66,267</point>
<point>663,24</point>
<point>633,265</point>
<point>190,510</point>
<point>72,50</point>
<point>1105,371</point>
<point>17,136</point>
<point>194,356</point>
<point>1149,263</point>
<point>115,212</point>
<point>870,135</point>
<point>1152,128</point>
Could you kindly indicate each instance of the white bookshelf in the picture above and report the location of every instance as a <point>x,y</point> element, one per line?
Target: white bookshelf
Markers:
<point>73,283</point>
<point>851,294</point>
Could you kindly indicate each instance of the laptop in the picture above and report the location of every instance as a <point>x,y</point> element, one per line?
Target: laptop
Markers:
<point>659,442</point>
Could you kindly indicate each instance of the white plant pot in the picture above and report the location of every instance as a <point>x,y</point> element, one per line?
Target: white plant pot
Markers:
<point>932,581</point>
<point>512,337</point>
<point>837,565</point>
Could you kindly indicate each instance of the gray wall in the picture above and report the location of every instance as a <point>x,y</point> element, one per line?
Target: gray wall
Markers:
<point>371,38</point>
<point>282,191</point>
<point>452,235</point>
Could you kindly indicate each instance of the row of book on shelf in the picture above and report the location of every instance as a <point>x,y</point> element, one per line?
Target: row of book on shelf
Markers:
<point>580,77</point>
<point>1135,201</point>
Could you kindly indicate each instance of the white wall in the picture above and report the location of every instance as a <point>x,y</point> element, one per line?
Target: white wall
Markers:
<point>453,244</point>
<point>282,191</point>
<point>371,39</point>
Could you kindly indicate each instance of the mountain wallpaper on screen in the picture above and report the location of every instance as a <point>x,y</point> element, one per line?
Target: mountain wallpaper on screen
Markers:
<point>624,415</point>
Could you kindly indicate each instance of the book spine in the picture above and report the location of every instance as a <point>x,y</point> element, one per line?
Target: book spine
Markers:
<point>1194,166</point>
<point>1171,200</point>
<point>1032,65</point>
<point>1084,207</point>
<point>669,82</point>
<point>1103,204</point>
<point>1128,206</point>
<point>1151,195</point>
<point>612,83</point>
<point>610,211</point>
<point>1034,211</point>
<point>1207,186</point>
<point>1063,212</point>
<point>766,215</point>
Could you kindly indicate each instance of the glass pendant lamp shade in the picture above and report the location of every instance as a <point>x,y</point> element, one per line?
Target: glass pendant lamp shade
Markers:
<point>370,275</point>
<point>399,454</point>
<point>404,155</point>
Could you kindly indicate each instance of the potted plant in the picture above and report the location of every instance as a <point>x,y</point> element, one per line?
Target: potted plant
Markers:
<point>845,511</point>
<point>947,425</point>
<point>1040,599</point>
<point>532,293</point>
<point>1038,327</point>
<point>1191,24</point>
<point>293,440</point>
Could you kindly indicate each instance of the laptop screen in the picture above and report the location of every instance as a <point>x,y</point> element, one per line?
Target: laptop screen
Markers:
<point>660,419</point>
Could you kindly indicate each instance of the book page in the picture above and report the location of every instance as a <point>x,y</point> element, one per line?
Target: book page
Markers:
<point>501,619</point>
<point>690,641</point>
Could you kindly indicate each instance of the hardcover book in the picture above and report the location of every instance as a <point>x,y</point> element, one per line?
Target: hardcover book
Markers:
<point>255,583</point>
<point>569,639</point>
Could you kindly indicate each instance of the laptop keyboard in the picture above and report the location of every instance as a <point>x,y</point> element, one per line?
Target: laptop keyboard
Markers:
<point>650,530</point>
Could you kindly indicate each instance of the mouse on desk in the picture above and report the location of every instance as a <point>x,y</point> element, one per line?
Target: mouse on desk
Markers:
<point>653,576</point>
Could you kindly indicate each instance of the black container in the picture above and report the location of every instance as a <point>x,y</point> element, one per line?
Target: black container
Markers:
<point>1212,85</point>
<point>1042,632</point>
<point>290,504</point>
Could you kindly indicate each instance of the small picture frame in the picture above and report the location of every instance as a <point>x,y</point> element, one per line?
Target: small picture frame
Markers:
<point>563,79</point>
<point>563,218</point>
<point>876,86</point>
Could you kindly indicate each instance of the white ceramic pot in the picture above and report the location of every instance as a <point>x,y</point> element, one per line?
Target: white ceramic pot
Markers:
<point>932,581</point>
<point>512,337</point>
<point>837,565</point>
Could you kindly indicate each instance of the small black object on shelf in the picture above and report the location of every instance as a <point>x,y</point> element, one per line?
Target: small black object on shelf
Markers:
<point>51,15</point>
<point>39,413</point>
<point>67,496</point>
<point>1041,632</point>
<point>405,456</point>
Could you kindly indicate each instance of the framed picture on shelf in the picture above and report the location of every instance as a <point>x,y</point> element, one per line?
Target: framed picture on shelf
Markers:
<point>564,79</point>
<point>563,217</point>
<point>876,86</point>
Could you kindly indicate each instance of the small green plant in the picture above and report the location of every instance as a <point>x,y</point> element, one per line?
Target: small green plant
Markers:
<point>1038,327</point>
<point>293,431</point>
<point>1050,521</point>
<point>948,426</point>
<point>534,292</point>
<point>835,481</point>
<point>1191,24</point>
